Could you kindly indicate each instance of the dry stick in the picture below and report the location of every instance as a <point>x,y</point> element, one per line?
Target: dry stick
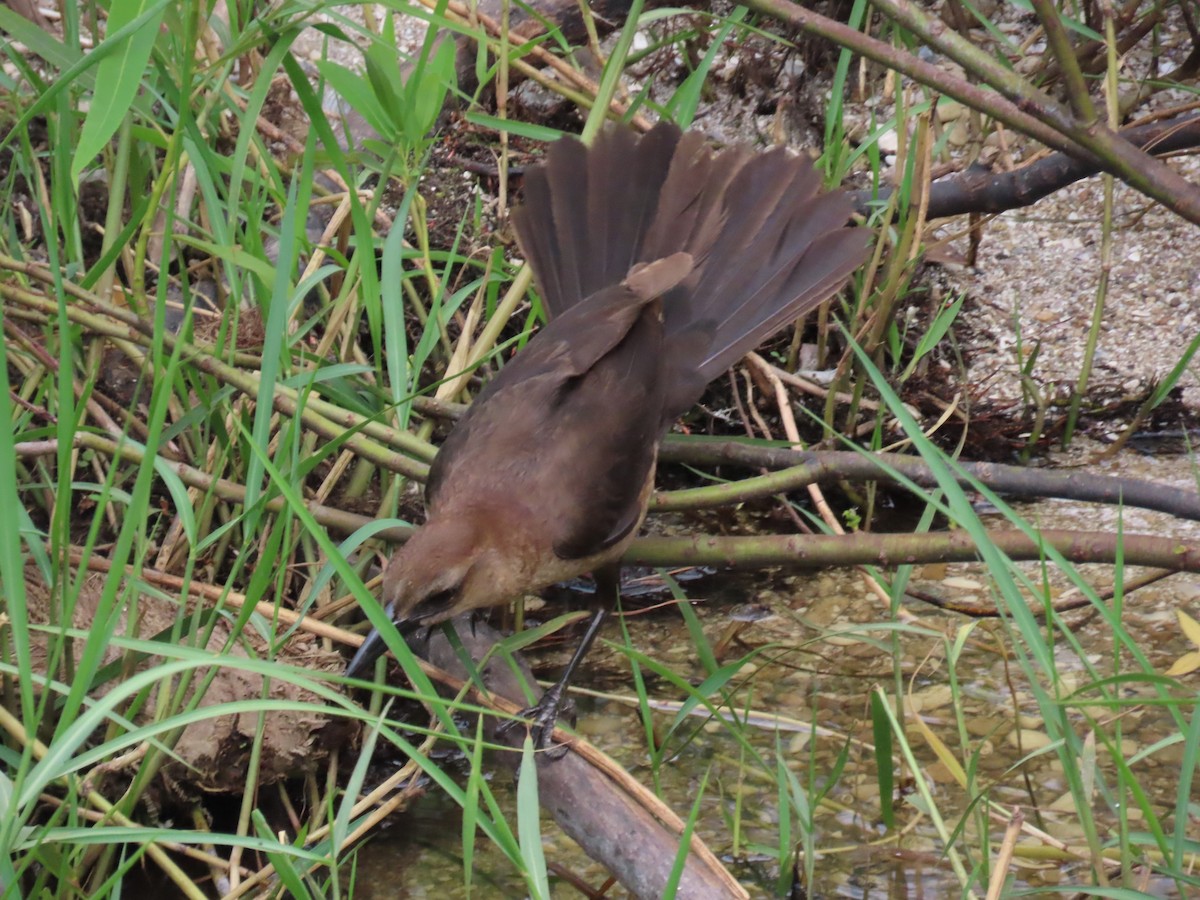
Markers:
<point>340,214</point>
<point>504,36</point>
<point>52,364</point>
<point>373,804</point>
<point>794,469</point>
<point>1145,173</point>
<point>218,869</point>
<point>1064,54</point>
<point>338,324</point>
<point>818,550</point>
<point>806,386</point>
<point>1070,601</point>
<point>810,550</point>
<point>130,327</point>
<point>285,400</point>
<point>264,874</point>
<point>1004,857</point>
<point>986,101</point>
<point>208,858</point>
<point>949,410</point>
<point>230,491</point>
<point>1171,112</point>
<point>1014,115</point>
<point>783,402</point>
<point>215,593</point>
<point>94,409</point>
<point>465,355</point>
<point>504,310</point>
<point>1060,850</point>
<point>1062,847</point>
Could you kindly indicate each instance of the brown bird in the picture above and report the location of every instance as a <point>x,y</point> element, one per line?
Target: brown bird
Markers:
<point>660,264</point>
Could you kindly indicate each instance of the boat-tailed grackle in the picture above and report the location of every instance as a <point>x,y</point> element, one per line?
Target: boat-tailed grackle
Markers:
<point>660,263</point>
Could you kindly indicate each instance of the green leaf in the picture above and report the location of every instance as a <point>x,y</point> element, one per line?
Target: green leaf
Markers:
<point>671,888</point>
<point>881,725</point>
<point>529,825</point>
<point>179,493</point>
<point>288,873</point>
<point>120,73</point>
<point>1071,23</point>
<point>383,75</point>
<point>39,42</point>
<point>682,106</point>
<point>470,807</point>
<point>234,255</point>
<point>356,91</point>
<point>427,89</point>
<point>520,129</point>
<point>933,335</point>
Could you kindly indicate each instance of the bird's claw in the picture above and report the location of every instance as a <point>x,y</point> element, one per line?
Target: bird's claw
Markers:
<point>541,719</point>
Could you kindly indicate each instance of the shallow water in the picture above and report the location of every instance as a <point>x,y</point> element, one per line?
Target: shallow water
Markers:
<point>814,678</point>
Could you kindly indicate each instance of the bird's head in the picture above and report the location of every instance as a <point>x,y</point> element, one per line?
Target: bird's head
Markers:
<point>449,566</point>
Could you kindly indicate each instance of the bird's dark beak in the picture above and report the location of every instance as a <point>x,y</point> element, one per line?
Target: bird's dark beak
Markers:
<point>375,646</point>
<point>424,615</point>
<point>372,648</point>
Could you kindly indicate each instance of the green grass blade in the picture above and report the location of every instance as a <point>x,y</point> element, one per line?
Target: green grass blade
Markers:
<point>529,824</point>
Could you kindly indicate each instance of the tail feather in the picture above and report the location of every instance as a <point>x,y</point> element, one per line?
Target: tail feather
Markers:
<point>775,262</point>
<point>689,214</point>
<point>618,217</point>
<point>539,241</point>
<point>768,246</point>
<point>774,213</point>
<point>813,280</point>
<point>586,212</point>
<point>566,172</point>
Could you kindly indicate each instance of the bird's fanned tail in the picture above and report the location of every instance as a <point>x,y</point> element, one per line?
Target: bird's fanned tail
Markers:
<point>768,245</point>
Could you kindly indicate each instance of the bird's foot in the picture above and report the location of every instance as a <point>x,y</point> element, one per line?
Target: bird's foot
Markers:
<point>541,719</point>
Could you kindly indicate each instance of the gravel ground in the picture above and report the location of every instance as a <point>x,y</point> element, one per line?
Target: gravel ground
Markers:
<point>1036,280</point>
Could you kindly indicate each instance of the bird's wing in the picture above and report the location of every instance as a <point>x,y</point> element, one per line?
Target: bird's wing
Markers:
<point>568,430</point>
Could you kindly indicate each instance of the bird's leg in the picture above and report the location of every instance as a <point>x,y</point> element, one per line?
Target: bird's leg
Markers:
<point>544,714</point>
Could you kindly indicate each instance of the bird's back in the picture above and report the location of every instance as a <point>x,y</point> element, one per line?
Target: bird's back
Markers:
<point>561,443</point>
<point>661,263</point>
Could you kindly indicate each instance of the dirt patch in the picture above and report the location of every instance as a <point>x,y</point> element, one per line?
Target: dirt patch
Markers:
<point>212,754</point>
